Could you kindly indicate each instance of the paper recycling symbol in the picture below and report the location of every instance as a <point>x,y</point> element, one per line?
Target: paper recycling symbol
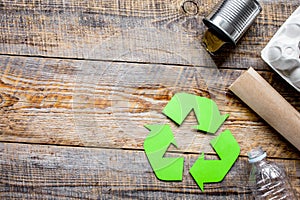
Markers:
<point>209,120</point>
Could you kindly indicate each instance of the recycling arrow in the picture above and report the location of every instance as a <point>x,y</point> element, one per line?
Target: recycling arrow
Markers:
<point>209,171</point>
<point>209,120</point>
<point>156,145</point>
<point>207,113</point>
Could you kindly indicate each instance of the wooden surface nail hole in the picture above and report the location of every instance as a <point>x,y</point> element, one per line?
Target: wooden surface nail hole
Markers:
<point>190,7</point>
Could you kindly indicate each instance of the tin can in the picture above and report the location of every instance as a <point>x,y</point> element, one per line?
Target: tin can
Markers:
<point>230,19</point>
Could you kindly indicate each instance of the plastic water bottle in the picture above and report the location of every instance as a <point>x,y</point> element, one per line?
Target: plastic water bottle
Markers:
<point>267,180</point>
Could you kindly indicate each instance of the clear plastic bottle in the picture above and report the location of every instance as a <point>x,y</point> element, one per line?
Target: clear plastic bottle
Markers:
<point>267,180</point>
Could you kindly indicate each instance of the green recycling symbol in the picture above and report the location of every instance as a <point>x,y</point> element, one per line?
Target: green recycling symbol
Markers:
<point>209,120</point>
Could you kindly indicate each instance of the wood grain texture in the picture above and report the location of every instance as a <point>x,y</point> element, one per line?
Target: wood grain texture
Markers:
<point>51,172</point>
<point>101,104</point>
<point>125,30</point>
<point>88,75</point>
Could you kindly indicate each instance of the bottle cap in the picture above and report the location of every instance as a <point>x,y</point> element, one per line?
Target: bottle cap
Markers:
<point>256,155</point>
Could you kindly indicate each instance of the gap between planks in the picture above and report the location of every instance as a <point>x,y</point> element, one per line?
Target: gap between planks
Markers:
<point>129,62</point>
<point>131,149</point>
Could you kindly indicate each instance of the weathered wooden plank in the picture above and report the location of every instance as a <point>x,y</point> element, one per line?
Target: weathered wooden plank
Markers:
<point>126,30</point>
<point>53,172</point>
<point>89,103</point>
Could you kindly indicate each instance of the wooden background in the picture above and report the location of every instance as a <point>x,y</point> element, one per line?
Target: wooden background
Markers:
<point>80,79</point>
